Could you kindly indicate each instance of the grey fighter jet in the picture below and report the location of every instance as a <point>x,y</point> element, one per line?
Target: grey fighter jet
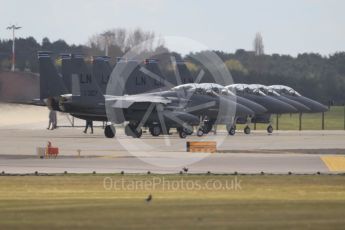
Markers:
<point>221,91</point>
<point>301,108</point>
<point>290,93</point>
<point>273,105</point>
<point>182,104</point>
<point>87,102</point>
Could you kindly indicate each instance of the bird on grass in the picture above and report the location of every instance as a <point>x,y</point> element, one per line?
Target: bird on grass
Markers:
<point>149,198</point>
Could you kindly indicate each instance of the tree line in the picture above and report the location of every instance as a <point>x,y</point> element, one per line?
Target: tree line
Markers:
<point>311,74</point>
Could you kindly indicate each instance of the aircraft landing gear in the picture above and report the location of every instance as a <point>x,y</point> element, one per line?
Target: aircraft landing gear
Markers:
<point>155,130</point>
<point>109,131</point>
<point>207,127</point>
<point>270,129</point>
<point>247,130</point>
<point>131,130</point>
<point>231,129</point>
<point>182,133</point>
<point>200,132</point>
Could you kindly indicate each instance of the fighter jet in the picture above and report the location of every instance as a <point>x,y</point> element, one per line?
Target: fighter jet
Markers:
<point>290,93</point>
<point>301,108</point>
<point>179,105</point>
<point>273,105</point>
<point>85,99</point>
<point>87,102</point>
<point>183,75</point>
<point>140,75</point>
<point>241,104</point>
<point>90,88</point>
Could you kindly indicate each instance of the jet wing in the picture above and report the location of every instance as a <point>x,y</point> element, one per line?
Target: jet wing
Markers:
<point>123,102</point>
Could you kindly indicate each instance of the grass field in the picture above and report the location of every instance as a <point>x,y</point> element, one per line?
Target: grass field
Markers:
<point>259,202</point>
<point>334,120</point>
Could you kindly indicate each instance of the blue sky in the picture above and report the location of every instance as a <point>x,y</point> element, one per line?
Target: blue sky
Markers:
<point>287,27</point>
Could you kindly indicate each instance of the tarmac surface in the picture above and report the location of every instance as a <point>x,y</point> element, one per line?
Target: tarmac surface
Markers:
<point>302,152</point>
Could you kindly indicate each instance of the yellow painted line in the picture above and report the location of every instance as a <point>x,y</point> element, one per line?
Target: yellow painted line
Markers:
<point>334,163</point>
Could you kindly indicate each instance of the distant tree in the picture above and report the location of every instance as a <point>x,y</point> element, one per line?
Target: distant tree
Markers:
<point>46,43</point>
<point>120,40</point>
<point>258,44</point>
<point>236,65</point>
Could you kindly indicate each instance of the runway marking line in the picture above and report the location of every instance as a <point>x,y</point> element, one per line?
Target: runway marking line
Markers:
<point>334,163</point>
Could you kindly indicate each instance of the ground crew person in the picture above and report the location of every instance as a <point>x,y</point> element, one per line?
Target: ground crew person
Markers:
<point>89,123</point>
<point>52,120</point>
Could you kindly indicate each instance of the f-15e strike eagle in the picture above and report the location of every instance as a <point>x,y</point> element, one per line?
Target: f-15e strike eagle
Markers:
<point>148,101</point>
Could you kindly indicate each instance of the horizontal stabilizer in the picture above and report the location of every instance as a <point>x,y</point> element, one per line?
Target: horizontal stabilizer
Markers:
<point>129,100</point>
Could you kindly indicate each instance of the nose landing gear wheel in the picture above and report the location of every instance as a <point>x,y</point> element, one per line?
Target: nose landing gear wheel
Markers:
<point>207,127</point>
<point>270,129</point>
<point>200,133</point>
<point>182,133</point>
<point>109,131</point>
<point>232,131</point>
<point>247,130</point>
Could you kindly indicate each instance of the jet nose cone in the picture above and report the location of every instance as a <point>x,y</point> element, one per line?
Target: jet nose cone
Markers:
<point>279,107</point>
<point>324,108</point>
<point>317,107</point>
<point>301,108</point>
<point>314,106</point>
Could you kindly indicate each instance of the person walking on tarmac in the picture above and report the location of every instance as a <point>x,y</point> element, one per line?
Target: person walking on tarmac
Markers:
<point>89,123</point>
<point>52,120</point>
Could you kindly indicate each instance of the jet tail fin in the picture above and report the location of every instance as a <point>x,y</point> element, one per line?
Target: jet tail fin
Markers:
<point>138,77</point>
<point>83,83</point>
<point>101,70</point>
<point>182,73</point>
<point>66,70</point>
<point>51,84</point>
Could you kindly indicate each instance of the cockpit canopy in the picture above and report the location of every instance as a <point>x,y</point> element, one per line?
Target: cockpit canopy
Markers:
<point>245,88</point>
<point>265,89</point>
<point>282,89</point>
<point>210,89</point>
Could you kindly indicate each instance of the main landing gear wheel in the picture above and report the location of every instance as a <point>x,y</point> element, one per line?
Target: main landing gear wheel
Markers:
<point>131,130</point>
<point>270,129</point>
<point>185,130</point>
<point>137,133</point>
<point>109,131</point>
<point>247,130</point>
<point>155,130</point>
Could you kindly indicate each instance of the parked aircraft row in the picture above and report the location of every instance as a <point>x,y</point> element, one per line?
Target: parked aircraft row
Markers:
<point>147,99</point>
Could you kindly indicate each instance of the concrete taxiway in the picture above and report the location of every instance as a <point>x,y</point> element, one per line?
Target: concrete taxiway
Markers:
<point>281,152</point>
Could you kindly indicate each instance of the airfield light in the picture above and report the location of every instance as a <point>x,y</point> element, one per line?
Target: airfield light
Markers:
<point>13,28</point>
<point>107,36</point>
